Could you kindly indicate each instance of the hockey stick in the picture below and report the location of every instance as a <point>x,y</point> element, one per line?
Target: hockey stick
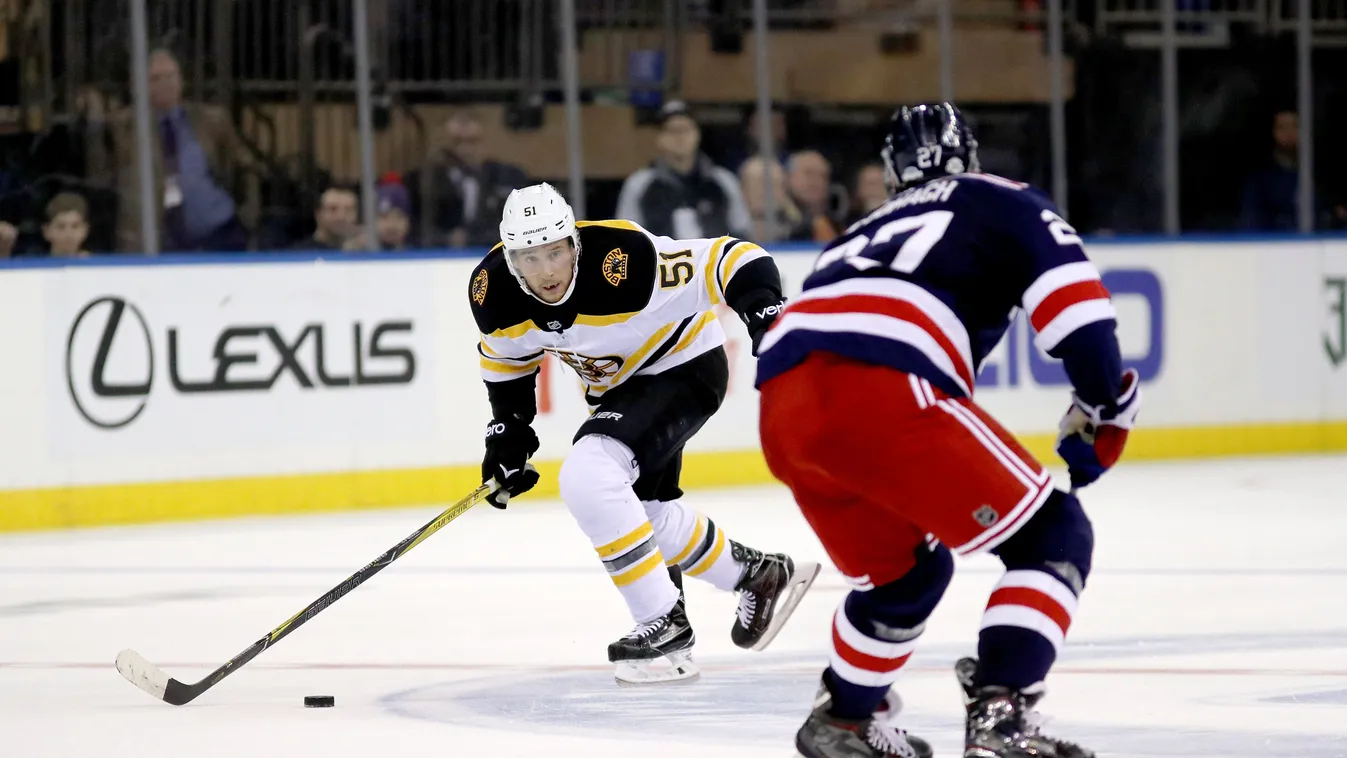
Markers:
<point>149,677</point>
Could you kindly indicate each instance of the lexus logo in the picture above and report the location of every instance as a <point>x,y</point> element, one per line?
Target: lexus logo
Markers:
<point>109,388</point>
<point>110,366</point>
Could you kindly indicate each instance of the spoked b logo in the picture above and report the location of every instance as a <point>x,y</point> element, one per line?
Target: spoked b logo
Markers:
<point>109,362</point>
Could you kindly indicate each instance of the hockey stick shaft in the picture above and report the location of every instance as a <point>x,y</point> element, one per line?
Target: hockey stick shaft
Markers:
<point>148,677</point>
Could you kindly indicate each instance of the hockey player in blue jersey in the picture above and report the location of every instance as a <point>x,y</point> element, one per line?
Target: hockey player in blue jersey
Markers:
<point>867,383</point>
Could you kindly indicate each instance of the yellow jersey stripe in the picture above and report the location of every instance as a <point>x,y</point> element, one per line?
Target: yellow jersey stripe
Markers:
<point>487,351</point>
<point>634,362</point>
<point>626,541</point>
<point>640,570</point>
<point>711,557</point>
<point>616,318</point>
<point>611,223</point>
<point>697,534</point>
<point>516,331</point>
<point>732,260</point>
<point>709,273</point>
<point>692,332</point>
<point>511,368</point>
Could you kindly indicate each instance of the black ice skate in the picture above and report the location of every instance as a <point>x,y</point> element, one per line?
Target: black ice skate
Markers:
<point>1002,722</point>
<point>769,590</point>
<point>826,736</point>
<point>658,651</point>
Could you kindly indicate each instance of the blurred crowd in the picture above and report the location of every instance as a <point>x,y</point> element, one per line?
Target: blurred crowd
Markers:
<point>688,188</point>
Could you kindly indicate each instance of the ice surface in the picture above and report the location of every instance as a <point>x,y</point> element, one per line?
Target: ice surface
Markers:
<point>1215,624</point>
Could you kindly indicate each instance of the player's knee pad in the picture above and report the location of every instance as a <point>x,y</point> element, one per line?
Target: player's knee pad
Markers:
<point>905,603</point>
<point>1058,537</point>
<point>595,482</point>
<point>596,463</point>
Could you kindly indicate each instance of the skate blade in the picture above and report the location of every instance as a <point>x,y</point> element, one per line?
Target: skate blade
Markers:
<point>674,668</point>
<point>800,582</point>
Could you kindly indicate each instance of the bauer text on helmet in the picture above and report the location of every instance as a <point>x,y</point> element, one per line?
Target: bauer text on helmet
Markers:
<point>541,244</point>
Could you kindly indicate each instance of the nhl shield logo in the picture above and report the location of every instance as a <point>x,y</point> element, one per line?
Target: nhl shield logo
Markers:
<point>986,516</point>
<point>479,287</point>
<point>615,266</point>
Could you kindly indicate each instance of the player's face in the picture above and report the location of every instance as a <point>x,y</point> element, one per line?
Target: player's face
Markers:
<point>547,269</point>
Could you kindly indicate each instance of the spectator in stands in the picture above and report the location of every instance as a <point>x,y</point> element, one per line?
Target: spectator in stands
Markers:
<point>395,216</point>
<point>462,189</point>
<point>1272,193</point>
<point>682,194</point>
<point>196,152</point>
<point>809,178</point>
<point>868,193</point>
<point>67,225</point>
<point>787,222</point>
<point>9,234</point>
<point>750,148</point>
<point>335,220</point>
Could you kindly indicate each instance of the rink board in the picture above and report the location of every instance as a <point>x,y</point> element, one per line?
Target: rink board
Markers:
<point>213,387</point>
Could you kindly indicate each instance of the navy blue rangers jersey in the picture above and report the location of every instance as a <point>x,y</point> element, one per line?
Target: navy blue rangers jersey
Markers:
<point>928,284</point>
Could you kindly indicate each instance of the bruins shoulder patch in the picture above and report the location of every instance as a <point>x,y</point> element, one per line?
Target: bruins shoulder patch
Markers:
<point>615,266</point>
<point>479,287</point>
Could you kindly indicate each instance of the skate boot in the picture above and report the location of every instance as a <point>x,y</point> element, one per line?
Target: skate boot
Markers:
<point>826,736</point>
<point>769,590</point>
<point>657,651</point>
<point>1002,722</point>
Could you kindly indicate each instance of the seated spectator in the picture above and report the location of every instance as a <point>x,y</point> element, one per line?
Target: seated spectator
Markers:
<point>750,146</point>
<point>9,235</point>
<point>195,154</point>
<point>335,221</point>
<point>868,193</point>
<point>67,225</point>
<point>393,224</point>
<point>461,189</point>
<point>787,222</point>
<point>809,180</point>
<point>395,216</point>
<point>1272,193</point>
<point>683,194</point>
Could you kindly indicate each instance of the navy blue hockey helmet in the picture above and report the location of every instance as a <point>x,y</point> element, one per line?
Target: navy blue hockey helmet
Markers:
<point>926,142</point>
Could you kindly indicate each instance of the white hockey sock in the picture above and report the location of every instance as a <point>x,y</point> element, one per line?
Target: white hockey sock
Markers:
<point>595,483</point>
<point>694,543</point>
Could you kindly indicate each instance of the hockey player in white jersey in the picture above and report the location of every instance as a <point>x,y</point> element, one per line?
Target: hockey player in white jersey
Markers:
<point>632,314</point>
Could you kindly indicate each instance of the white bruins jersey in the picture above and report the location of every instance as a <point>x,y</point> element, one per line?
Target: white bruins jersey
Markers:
<point>642,304</point>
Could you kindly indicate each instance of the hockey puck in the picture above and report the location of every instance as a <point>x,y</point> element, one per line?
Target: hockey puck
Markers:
<point>319,701</point>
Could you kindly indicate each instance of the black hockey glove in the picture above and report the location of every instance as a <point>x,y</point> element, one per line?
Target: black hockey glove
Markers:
<point>759,317</point>
<point>509,444</point>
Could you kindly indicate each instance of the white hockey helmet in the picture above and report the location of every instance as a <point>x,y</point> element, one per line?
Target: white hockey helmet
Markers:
<point>536,215</point>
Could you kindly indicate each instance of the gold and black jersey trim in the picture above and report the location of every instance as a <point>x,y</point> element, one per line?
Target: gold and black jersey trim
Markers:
<point>494,357</point>
<point>728,257</point>
<point>655,348</point>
